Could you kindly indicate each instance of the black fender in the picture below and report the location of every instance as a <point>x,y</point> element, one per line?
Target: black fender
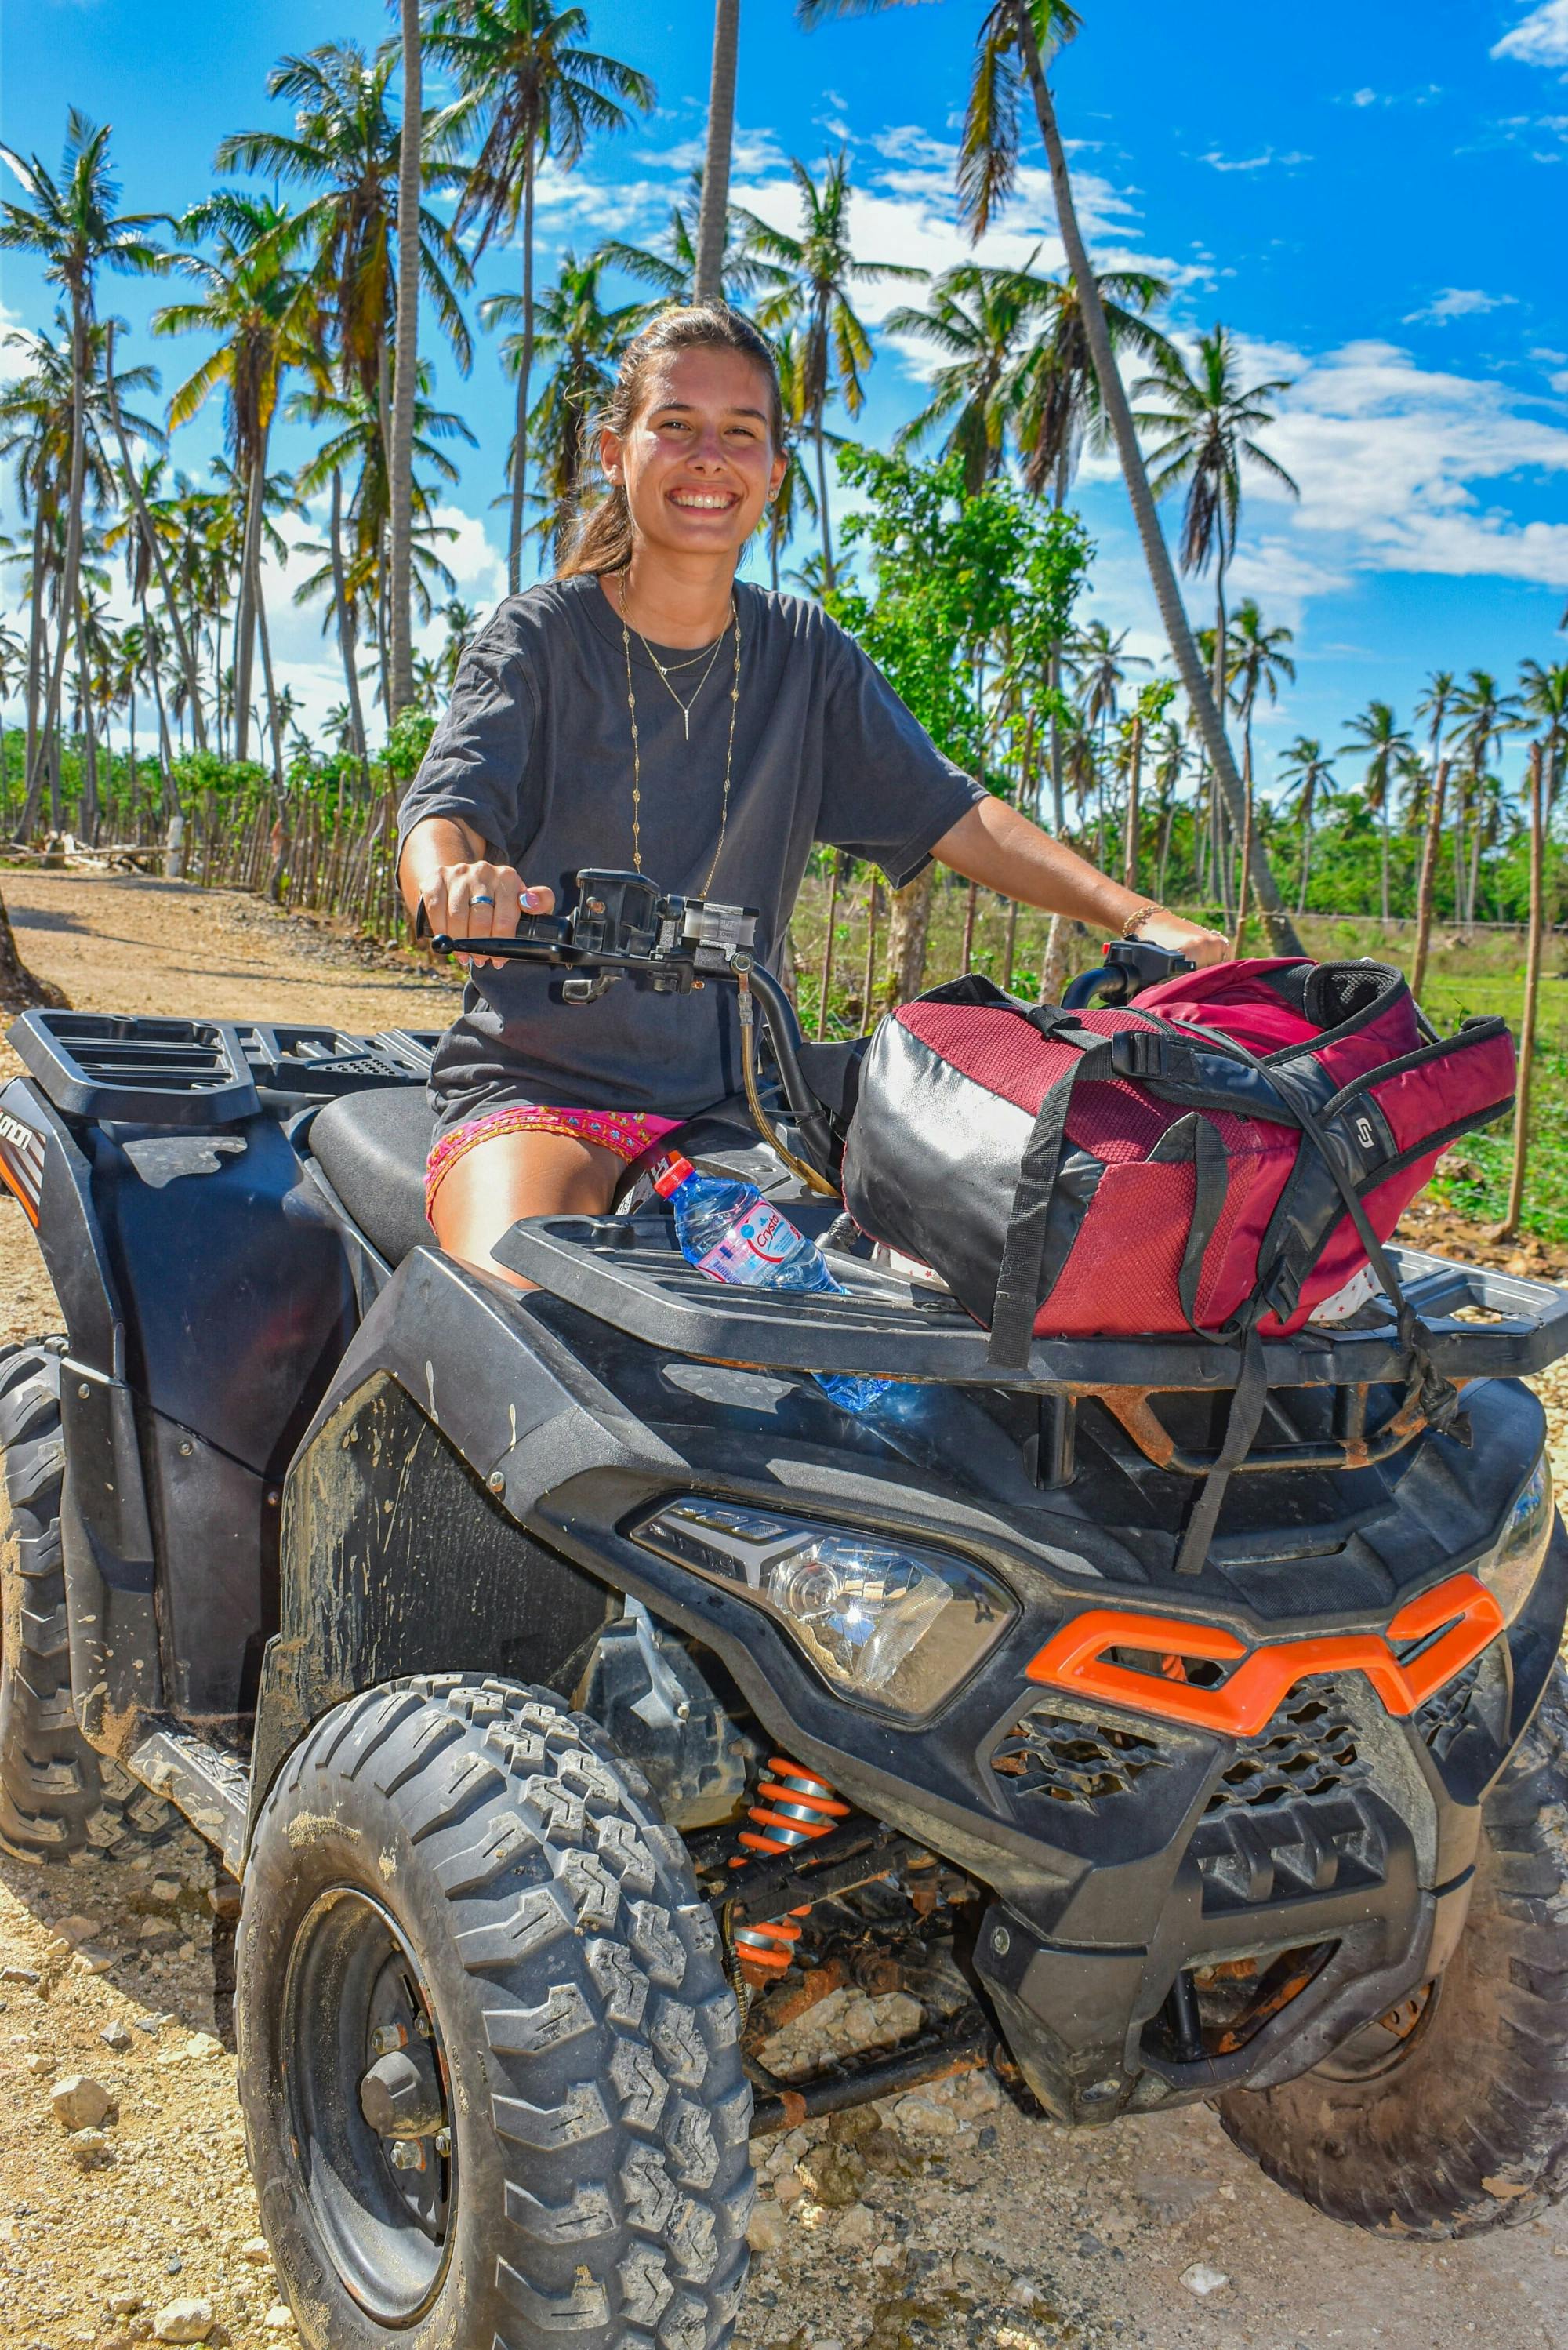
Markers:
<point>208,1297</point>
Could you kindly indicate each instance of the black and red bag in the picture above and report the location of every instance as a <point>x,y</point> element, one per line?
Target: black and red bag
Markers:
<point>1221,1157</point>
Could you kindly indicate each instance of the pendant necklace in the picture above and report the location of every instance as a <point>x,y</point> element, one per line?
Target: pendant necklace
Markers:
<point>664,667</point>
<point>684,707</point>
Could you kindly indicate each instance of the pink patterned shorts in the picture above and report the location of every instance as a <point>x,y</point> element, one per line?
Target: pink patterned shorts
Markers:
<point>629,1133</point>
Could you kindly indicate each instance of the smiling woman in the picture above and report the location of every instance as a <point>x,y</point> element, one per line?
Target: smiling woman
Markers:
<point>646,707</point>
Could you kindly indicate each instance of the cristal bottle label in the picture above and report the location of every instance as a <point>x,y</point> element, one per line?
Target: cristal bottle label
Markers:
<point>755,1245</point>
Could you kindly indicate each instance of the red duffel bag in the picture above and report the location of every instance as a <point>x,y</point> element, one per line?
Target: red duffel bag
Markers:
<point>1222,1156</point>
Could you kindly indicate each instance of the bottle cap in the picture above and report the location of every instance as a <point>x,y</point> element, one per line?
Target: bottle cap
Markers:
<point>673,1171</point>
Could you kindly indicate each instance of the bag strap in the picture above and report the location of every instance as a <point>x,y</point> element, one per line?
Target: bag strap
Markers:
<point>1019,1280</point>
<point>1240,1427</point>
<point>1138,1054</point>
<point>1438,1397</point>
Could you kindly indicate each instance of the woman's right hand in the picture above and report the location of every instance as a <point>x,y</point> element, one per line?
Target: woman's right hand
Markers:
<point>477,899</point>
<point>464,894</point>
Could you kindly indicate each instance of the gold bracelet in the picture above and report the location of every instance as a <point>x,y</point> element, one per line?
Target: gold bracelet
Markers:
<point>1133,927</point>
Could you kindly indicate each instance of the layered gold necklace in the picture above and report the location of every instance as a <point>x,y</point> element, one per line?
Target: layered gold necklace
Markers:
<point>685,708</point>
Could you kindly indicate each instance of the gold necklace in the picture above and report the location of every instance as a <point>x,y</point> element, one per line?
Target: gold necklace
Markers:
<point>685,708</point>
<point>625,634</point>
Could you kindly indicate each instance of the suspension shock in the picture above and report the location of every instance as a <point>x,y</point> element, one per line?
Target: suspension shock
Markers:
<point>795,1807</point>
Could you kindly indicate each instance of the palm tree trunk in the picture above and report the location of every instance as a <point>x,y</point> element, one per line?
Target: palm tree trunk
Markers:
<point>67,603</point>
<point>908,928</point>
<point>1509,1223</point>
<point>1245,873</point>
<point>273,729</point>
<point>86,790</point>
<point>31,779</point>
<point>827,577</point>
<point>346,634</point>
<point>401,484</point>
<point>1427,882</point>
<point>709,283</point>
<point>825,987</point>
<point>1156,554</point>
<point>1383,826</point>
<point>150,539</point>
<point>1306,853</point>
<point>1134,775</point>
<point>525,371</point>
<point>244,619</point>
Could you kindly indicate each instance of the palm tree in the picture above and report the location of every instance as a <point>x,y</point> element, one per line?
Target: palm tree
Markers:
<point>709,284</point>
<point>346,146</point>
<point>71,226</point>
<point>1100,663</point>
<point>405,372</point>
<point>1485,714</point>
<point>1013,37</point>
<point>528,90</point>
<point>1544,697</point>
<point>1377,734</point>
<point>1060,408</point>
<point>984,322</point>
<point>836,349</point>
<point>1306,770</point>
<point>669,264</point>
<point>580,341</point>
<point>356,574</point>
<point>257,307</point>
<point>1256,659</point>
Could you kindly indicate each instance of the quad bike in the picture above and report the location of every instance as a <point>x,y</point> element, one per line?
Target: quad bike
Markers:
<point>577,1690</point>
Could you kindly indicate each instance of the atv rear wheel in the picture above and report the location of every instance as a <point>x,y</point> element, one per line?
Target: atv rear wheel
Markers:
<point>489,2060</point>
<point>1449,2117</point>
<point>57,1797</point>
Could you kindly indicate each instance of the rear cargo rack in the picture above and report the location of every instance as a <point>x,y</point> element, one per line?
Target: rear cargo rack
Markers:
<point>143,1071</point>
<point>627,1270</point>
<point>140,1071</point>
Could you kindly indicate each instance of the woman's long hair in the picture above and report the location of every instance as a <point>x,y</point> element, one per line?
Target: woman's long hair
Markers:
<point>602,540</point>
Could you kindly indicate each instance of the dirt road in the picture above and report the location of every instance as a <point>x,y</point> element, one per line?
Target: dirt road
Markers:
<point>996,2231</point>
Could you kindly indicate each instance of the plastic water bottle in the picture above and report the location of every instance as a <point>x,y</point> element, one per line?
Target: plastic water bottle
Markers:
<point>730,1231</point>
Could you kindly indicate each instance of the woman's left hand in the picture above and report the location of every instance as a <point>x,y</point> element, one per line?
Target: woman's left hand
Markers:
<point>1189,939</point>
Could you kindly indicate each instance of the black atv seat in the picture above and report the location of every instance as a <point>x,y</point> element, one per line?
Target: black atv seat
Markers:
<point>372,1148</point>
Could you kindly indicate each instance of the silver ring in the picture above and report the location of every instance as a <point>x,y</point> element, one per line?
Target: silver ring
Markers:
<point>482,901</point>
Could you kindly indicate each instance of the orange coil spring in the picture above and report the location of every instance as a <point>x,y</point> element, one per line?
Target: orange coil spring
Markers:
<point>794,1807</point>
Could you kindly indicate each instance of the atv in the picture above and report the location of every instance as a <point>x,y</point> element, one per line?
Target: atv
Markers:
<point>577,1692</point>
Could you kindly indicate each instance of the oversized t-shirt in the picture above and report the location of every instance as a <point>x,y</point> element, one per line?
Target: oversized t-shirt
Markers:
<point>535,752</point>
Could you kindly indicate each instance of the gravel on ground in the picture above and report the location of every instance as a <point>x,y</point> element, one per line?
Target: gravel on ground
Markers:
<point>946,2216</point>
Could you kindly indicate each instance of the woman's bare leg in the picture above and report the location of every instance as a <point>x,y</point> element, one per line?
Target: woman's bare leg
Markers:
<point>511,1175</point>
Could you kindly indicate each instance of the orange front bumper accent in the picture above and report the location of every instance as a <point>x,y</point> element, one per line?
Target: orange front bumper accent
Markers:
<point>1074,1659</point>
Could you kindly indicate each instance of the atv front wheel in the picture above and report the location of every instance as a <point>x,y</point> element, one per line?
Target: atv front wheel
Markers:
<point>1449,2116</point>
<point>57,1797</point>
<point>489,2060</point>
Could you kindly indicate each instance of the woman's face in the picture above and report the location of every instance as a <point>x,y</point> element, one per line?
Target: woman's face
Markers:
<point>699,462</point>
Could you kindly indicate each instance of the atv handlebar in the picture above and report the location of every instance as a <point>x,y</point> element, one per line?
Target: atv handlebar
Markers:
<point>1128,967</point>
<point>622,927</point>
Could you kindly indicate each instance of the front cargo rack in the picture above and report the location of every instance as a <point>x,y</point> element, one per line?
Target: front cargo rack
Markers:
<point>141,1071</point>
<point>627,1270</point>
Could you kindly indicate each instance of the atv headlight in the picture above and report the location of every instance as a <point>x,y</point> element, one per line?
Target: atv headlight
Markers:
<point>894,1626</point>
<point>1510,1567</point>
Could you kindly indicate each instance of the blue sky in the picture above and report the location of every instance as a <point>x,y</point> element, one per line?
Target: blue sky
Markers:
<point>1371,197</point>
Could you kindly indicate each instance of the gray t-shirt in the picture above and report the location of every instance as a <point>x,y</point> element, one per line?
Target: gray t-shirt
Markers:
<point>535,752</point>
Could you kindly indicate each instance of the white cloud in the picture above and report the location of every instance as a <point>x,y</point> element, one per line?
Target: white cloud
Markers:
<point>1541,39</point>
<point>1390,457</point>
<point>1252,162</point>
<point>1458,302</point>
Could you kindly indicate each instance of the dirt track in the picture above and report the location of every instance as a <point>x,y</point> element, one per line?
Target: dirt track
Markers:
<point>1001,2231</point>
